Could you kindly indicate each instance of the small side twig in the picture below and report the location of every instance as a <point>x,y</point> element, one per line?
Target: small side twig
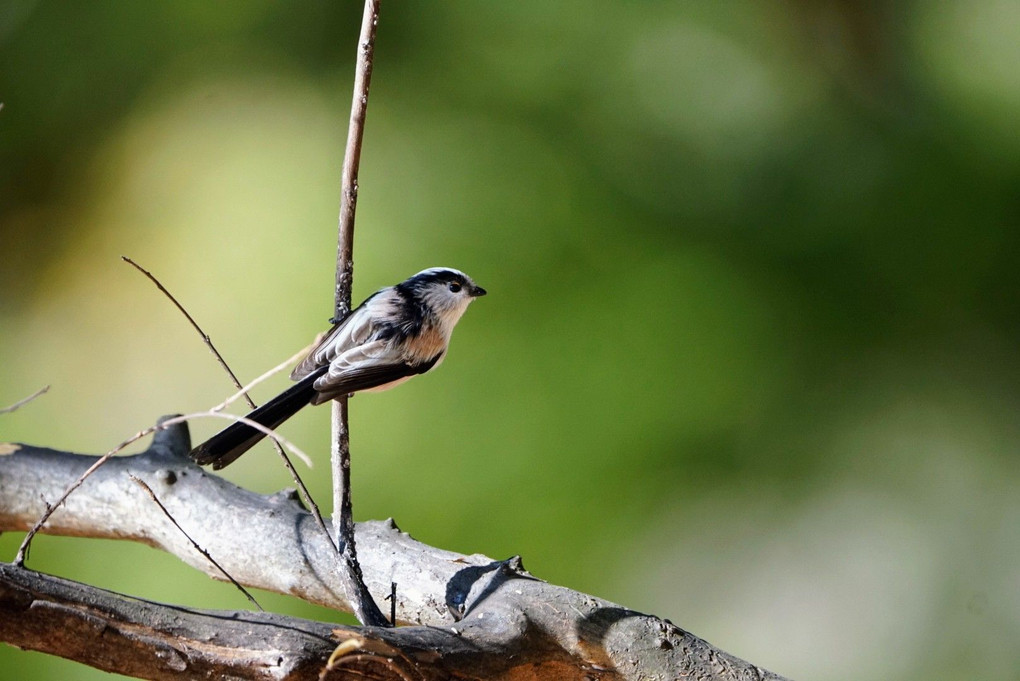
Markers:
<point>205,337</point>
<point>152,495</point>
<point>364,606</point>
<point>243,391</point>
<point>23,402</point>
<point>306,496</point>
<point>26,543</point>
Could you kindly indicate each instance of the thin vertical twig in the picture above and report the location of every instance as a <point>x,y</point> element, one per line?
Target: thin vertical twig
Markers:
<point>362,603</point>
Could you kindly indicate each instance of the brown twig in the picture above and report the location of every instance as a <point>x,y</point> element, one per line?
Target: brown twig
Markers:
<point>26,543</point>
<point>205,337</point>
<point>306,496</point>
<point>364,605</point>
<point>243,392</point>
<point>23,402</point>
<point>152,495</point>
<point>393,603</point>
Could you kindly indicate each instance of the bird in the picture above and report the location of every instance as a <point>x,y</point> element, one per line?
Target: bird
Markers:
<point>395,334</point>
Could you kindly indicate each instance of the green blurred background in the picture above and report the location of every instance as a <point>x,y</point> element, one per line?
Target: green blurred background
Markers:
<point>749,358</point>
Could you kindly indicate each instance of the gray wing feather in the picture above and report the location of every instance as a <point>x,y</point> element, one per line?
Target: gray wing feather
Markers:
<point>353,331</point>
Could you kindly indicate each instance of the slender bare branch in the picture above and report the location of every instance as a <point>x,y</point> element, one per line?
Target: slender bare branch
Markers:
<point>205,337</point>
<point>243,391</point>
<point>26,543</point>
<point>23,402</point>
<point>366,610</point>
<point>152,495</point>
<point>352,160</point>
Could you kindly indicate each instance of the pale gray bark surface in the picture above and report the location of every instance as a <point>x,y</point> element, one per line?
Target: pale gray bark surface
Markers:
<point>474,617</point>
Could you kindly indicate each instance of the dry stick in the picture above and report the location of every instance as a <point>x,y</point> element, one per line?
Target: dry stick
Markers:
<point>152,495</point>
<point>203,334</point>
<point>23,402</point>
<point>26,543</point>
<point>305,494</point>
<point>243,392</point>
<point>364,606</point>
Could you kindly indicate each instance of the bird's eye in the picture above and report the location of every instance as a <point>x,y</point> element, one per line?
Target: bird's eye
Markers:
<point>455,287</point>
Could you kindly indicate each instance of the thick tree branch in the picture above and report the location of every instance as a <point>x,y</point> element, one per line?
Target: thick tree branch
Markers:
<point>479,618</point>
<point>140,638</point>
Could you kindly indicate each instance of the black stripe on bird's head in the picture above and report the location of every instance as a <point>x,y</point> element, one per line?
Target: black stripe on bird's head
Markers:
<point>441,291</point>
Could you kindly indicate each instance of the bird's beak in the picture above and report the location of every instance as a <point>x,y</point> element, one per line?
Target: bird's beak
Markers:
<point>477,292</point>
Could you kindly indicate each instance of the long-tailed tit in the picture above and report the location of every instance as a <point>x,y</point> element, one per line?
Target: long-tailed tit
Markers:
<point>397,333</point>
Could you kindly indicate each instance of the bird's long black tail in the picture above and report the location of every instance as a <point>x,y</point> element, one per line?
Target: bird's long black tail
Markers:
<point>226,446</point>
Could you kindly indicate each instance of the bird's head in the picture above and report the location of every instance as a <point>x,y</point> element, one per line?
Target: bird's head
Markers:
<point>444,291</point>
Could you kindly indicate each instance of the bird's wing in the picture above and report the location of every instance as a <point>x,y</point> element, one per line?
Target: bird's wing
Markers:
<point>355,329</point>
<point>371,365</point>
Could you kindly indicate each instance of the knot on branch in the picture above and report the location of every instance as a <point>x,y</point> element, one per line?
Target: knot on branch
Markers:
<point>172,441</point>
